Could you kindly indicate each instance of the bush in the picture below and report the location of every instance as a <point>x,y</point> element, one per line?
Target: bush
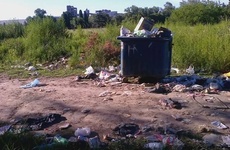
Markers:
<point>12,30</point>
<point>198,12</point>
<point>46,40</point>
<point>11,50</point>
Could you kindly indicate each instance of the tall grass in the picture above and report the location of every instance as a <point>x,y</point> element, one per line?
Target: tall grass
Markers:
<point>205,47</point>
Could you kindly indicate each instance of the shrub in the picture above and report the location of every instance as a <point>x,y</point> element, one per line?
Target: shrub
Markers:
<point>12,30</point>
<point>11,50</point>
<point>46,40</point>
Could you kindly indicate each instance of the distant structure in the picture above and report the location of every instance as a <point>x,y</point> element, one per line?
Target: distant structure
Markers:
<point>72,10</point>
<point>87,11</point>
<point>5,22</point>
<point>106,11</point>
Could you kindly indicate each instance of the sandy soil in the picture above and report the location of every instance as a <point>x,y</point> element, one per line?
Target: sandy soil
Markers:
<point>124,102</point>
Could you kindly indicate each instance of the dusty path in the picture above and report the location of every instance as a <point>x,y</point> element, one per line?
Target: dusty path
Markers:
<point>123,103</point>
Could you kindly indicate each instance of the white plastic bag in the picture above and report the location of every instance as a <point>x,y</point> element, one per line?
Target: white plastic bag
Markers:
<point>190,70</point>
<point>82,132</point>
<point>89,70</point>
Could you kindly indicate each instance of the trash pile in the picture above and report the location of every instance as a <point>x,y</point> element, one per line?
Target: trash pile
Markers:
<point>33,69</point>
<point>145,28</point>
<point>32,124</point>
<point>102,76</point>
<point>156,138</point>
<point>84,134</point>
<point>191,83</point>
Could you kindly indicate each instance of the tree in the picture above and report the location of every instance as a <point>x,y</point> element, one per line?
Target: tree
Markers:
<point>118,19</point>
<point>86,18</point>
<point>46,40</point>
<point>168,9</point>
<point>80,13</point>
<point>67,17</point>
<point>189,2</point>
<point>194,12</point>
<point>28,19</point>
<point>100,20</point>
<point>40,13</point>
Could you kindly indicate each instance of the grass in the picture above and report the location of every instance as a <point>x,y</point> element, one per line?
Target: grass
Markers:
<point>42,72</point>
<point>204,46</point>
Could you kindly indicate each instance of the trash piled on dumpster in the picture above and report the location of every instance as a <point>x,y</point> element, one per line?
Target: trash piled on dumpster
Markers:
<point>145,28</point>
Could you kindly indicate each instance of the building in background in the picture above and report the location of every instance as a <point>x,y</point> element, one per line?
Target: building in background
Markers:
<point>72,10</point>
<point>87,11</point>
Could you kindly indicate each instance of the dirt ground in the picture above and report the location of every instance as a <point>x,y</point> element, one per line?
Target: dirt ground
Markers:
<point>124,103</point>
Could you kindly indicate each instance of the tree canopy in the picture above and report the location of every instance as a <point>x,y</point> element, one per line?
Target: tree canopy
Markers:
<point>193,12</point>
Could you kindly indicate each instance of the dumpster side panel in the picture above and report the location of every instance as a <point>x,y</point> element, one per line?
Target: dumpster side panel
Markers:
<point>146,58</point>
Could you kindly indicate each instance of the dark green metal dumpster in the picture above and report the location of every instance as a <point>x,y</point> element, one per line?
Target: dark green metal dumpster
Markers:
<point>145,57</point>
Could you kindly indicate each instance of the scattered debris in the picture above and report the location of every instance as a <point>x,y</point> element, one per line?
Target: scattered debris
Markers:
<point>212,139</point>
<point>4,129</point>
<point>89,70</point>
<point>31,68</point>
<point>190,70</point>
<point>158,88</point>
<point>219,125</point>
<point>64,126</point>
<point>226,140</point>
<point>94,142</point>
<point>175,69</point>
<point>179,88</point>
<point>44,122</point>
<point>177,117</point>
<point>85,111</point>
<point>85,131</point>
<point>105,93</point>
<point>126,128</point>
<point>155,146</point>
<point>36,82</point>
<point>169,103</point>
<point>169,141</point>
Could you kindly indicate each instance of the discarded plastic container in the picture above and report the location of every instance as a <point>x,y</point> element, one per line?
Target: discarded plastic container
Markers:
<point>146,57</point>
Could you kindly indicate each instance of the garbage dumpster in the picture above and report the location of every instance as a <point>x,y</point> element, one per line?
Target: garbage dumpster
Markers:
<point>145,57</point>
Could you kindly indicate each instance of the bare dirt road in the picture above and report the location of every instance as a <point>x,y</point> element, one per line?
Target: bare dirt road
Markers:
<point>83,105</point>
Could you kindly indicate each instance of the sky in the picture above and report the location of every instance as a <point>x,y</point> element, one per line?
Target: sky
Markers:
<point>21,9</point>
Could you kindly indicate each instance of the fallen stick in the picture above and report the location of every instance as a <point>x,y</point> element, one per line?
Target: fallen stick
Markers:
<point>204,106</point>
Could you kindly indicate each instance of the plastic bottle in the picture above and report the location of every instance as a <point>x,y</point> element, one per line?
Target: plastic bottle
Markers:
<point>60,140</point>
